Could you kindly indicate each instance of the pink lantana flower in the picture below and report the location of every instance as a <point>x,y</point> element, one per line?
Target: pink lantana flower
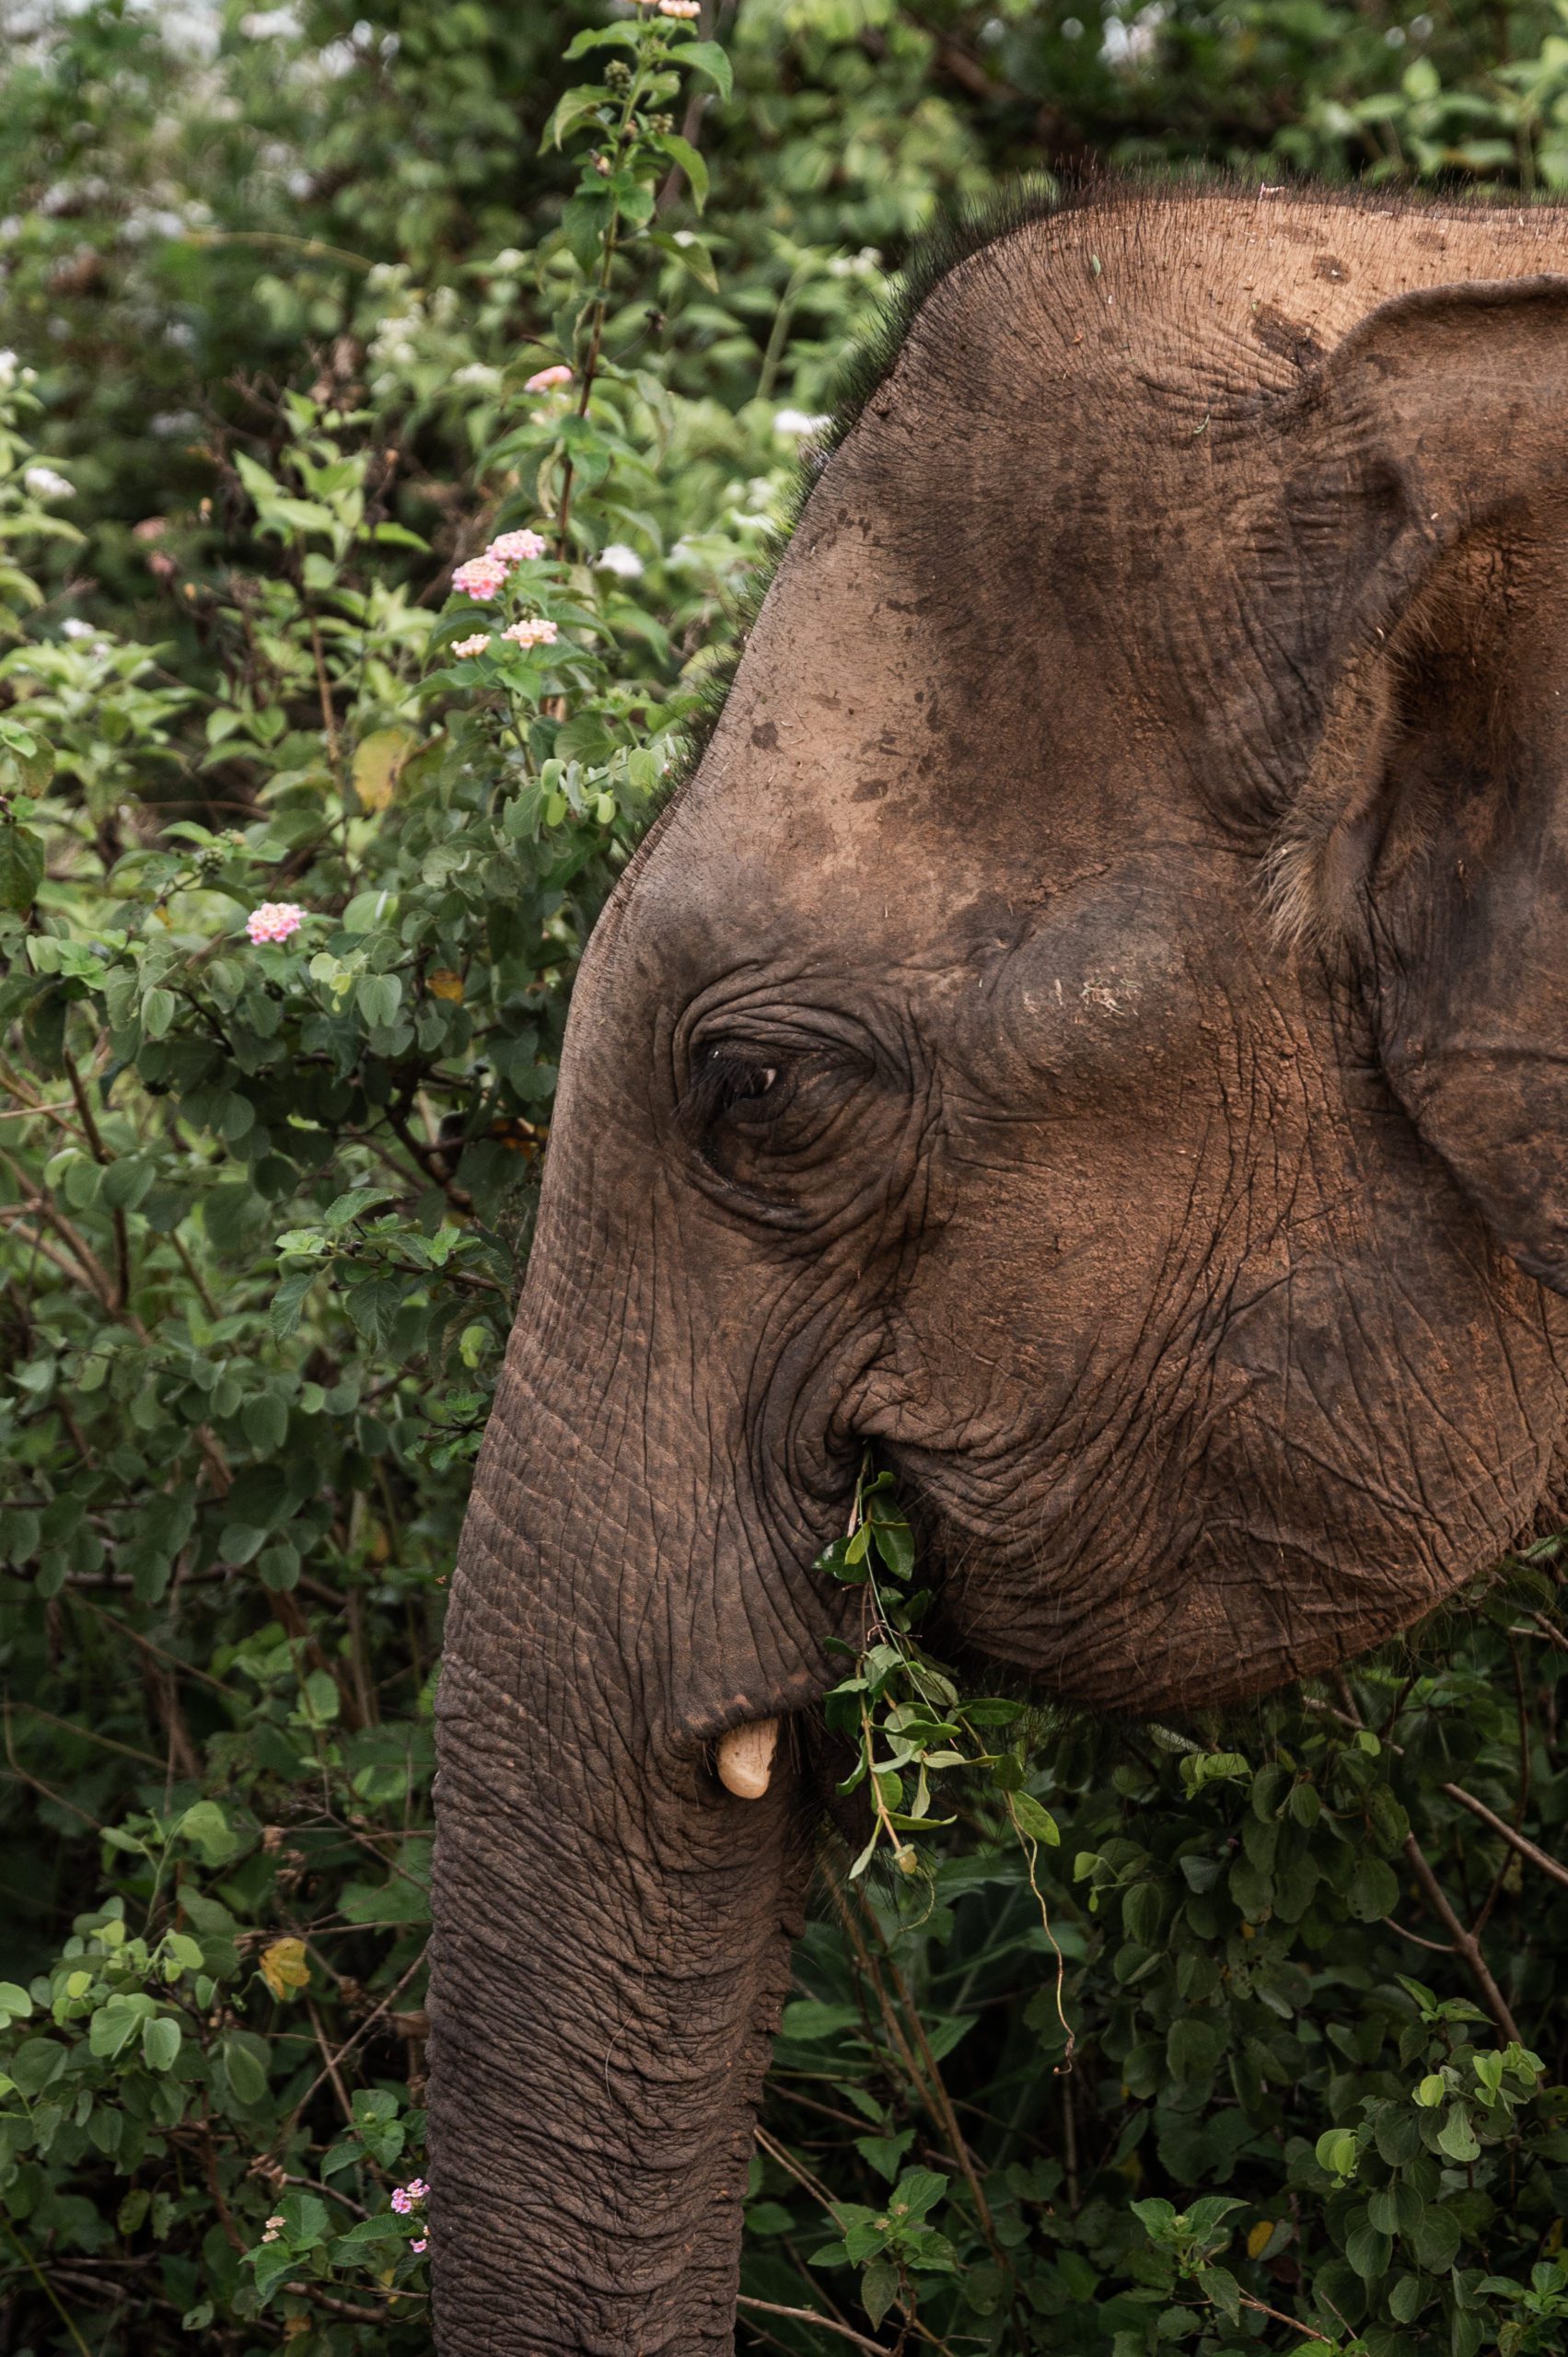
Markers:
<point>474,646</point>
<point>417,2189</point>
<point>420,2242</point>
<point>483,577</point>
<point>515,548</point>
<point>274,920</point>
<point>679,8</point>
<point>544,380</point>
<point>532,634</point>
<point>400,2202</point>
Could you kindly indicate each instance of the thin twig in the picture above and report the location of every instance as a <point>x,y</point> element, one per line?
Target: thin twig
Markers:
<point>49,2293</point>
<point>198,1281</point>
<point>814,2316</point>
<point>354,2040</point>
<point>331,2060</point>
<point>103,1156</point>
<point>186,1669</point>
<point>344,2307</point>
<point>329,717</point>
<point>1438,1947</point>
<point>1499,1825</point>
<point>89,1734</point>
<point>1465,1941</point>
<point>788,2161</point>
<point>1280,2317</point>
<point>23,1775</point>
<point>1520,1841</point>
<point>214,2185</point>
<point>937,2097</point>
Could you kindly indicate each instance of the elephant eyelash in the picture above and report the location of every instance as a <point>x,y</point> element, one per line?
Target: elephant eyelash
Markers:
<point>722,1082</point>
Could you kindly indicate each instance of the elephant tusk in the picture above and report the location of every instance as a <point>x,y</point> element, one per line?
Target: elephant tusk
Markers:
<point>746,1759</point>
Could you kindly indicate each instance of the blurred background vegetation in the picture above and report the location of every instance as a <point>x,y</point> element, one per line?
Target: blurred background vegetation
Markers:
<point>275,283</point>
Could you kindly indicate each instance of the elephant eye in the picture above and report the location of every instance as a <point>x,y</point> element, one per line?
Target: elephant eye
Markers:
<point>742,1083</point>
<point>738,1111</point>
<point>768,1117</point>
<point>726,1083</point>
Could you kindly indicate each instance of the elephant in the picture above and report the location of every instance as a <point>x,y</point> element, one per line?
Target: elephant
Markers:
<point>1092,1027</point>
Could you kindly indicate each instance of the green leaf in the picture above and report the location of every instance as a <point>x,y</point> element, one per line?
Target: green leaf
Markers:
<point>37,2063</point>
<point>1456,2137</point>
<point>377,997</point>
<point>288,1300</point>
<point>1192,2048</point>
<point>1374,1890</point>
<point>265,1420</point>
<point>274,2263</point>
<point>620,36</point>
<point>809,2022</point>
<point>570,109</point>
<point>397,1901</point>
<point>878,2289</point>
<point>1369,2251</point>
<point>1033,1822</point>
<point>244,2058</point>
<point>916,2193</point>
<point>157,1013</point>
<point>205,1824</point>
<point>160,2042</point>
<point>1220,2285</point>
<point>885,2153</point>
<point>1338,2151</point>
<point>21,867</point>
<point>680,151</point>
<point>1434,2244</point>
<point>692,255</point>
<point>705,57</point>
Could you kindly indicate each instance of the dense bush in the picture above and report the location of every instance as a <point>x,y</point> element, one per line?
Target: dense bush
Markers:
<point>291,889</point>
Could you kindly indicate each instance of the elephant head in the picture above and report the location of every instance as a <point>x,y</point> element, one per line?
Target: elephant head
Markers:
<point>1094,1027</point>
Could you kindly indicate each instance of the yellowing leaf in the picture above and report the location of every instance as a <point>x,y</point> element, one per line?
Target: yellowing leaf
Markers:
<point>1257,2240</point>
<point>283,1967</point>
<point>377,761</point>
<point>444,983</point>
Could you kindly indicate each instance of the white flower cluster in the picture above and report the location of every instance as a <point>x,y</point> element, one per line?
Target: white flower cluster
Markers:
<point>864,264</point>
<point>799,422</point>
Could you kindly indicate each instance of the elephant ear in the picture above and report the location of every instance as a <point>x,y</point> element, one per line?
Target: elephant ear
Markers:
<point>1426,467</point>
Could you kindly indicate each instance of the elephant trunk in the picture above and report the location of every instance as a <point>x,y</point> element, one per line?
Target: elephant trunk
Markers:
<point>612,1921</point>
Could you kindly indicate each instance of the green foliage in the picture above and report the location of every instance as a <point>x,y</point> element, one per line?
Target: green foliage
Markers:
<point>1206,1986</point>
<point>292,892</point>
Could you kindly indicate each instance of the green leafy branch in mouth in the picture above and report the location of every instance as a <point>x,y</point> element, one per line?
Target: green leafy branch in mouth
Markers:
<point>910,1719</point>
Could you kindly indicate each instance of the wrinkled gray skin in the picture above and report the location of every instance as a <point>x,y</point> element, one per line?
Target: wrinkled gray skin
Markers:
<point>1094,1027</point>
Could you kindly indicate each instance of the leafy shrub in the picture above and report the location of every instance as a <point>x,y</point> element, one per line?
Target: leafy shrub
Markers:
<point>292,891</point>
